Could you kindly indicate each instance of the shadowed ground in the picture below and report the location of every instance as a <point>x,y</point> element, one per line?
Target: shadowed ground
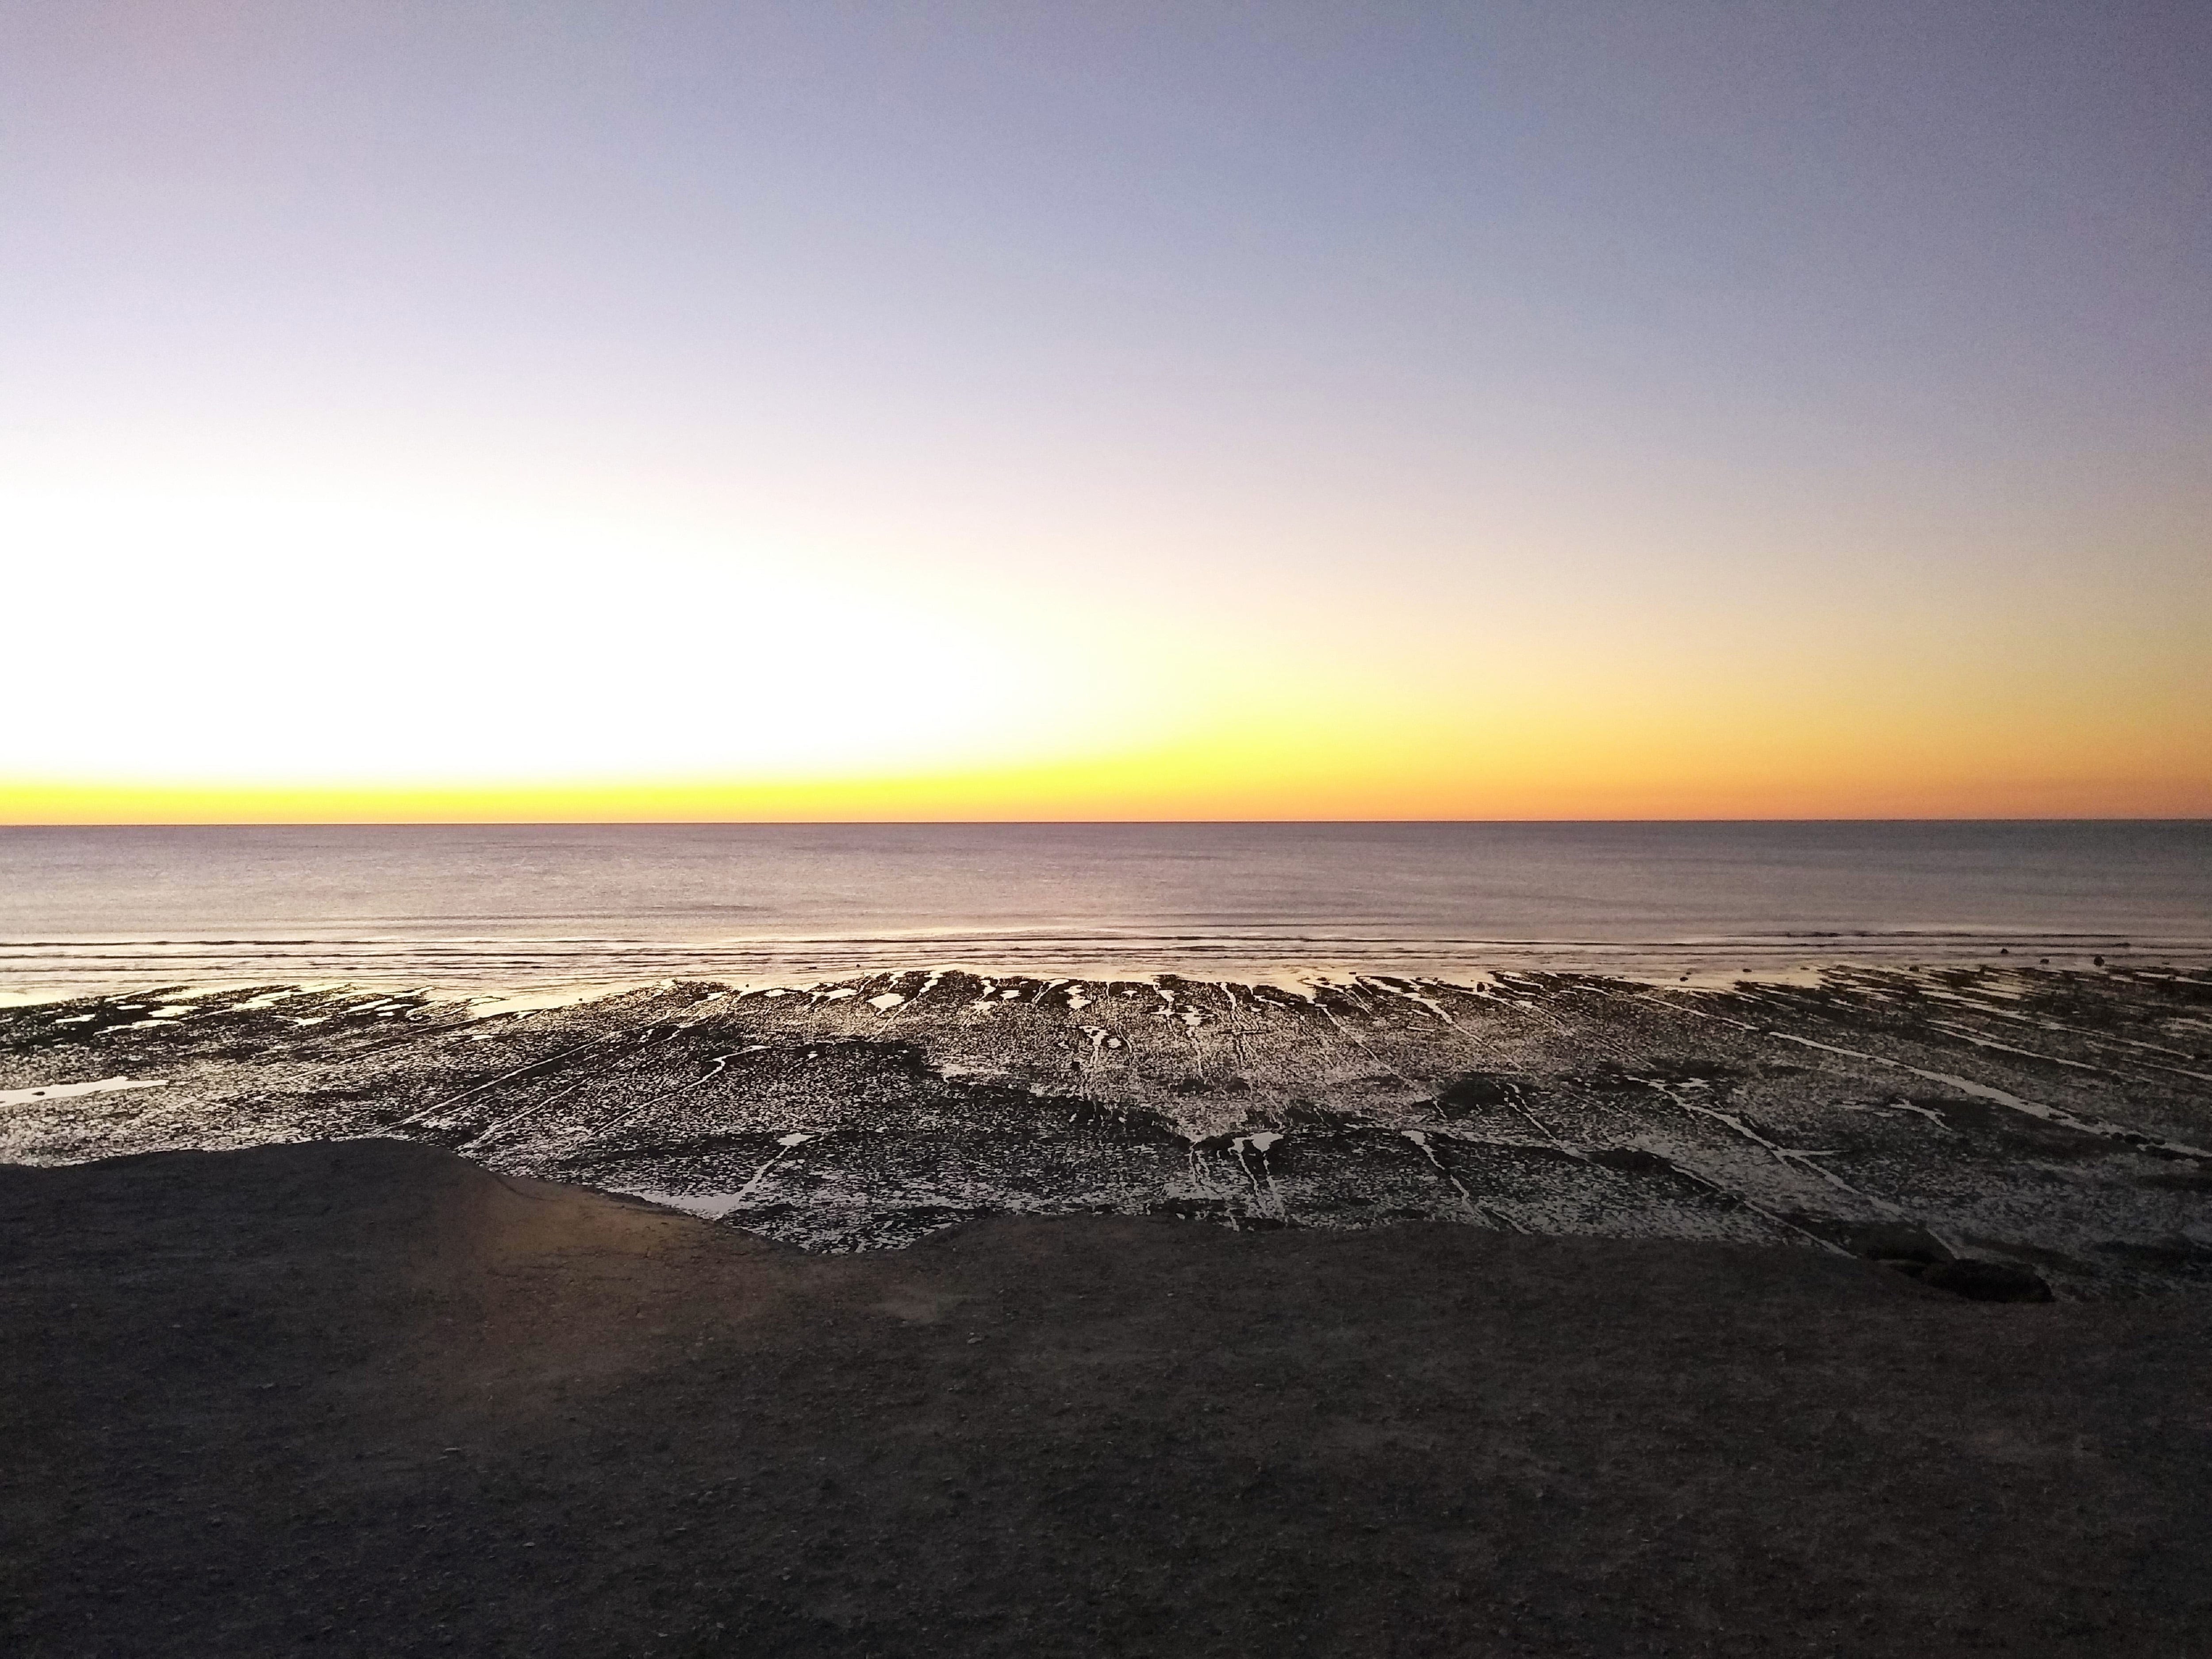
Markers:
<point>369,1398</point>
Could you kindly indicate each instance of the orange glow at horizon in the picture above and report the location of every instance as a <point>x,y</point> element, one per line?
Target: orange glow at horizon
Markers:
<point>1434,773</point>
<point>456,653</point>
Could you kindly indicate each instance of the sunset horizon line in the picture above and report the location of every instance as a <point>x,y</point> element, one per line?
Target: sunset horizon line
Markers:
<point>1530,820</point>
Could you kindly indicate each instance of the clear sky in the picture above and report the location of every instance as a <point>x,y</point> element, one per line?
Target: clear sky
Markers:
<point>1122,410</point>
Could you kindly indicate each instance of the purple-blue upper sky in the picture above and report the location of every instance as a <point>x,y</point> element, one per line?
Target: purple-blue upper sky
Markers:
<point>1670,346</point>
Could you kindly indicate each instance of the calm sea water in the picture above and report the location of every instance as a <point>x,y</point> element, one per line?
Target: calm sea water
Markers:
<point>502,906</point>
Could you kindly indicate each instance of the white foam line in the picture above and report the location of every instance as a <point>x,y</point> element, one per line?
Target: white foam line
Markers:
<point>2095,1039</point>
<point>489,1083</point>
<point>67,1091</point>
<point>721,1062</point>
<point>1497,1217</point>
<point>784,1146</point>
<point>1928,1112</point>
<point>477,1005</point>
<point>1997,1097</point>
<point>485,1135</point>
<point>1428,1002</point>
<point>270,999</point>
<point>1758,1209</point>
<point>2011,1102</point>
<point>1551,1138</point>
<point>1345,1031</point>
<point>1790,1157</point>
<point>2052,1025</point>
<point>707,1207</point>
<point>1966,1035</point>
<point>1259,1143</point>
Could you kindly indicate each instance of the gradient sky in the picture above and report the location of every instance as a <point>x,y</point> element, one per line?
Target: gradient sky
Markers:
<point>709,410</point>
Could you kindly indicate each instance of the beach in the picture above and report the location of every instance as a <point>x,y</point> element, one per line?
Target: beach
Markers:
<point>1765,1295</point>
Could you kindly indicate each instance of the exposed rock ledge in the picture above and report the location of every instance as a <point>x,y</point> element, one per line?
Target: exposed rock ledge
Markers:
<point>2058,1123</point>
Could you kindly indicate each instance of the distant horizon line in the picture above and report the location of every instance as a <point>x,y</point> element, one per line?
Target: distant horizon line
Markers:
<point>1087,822</point>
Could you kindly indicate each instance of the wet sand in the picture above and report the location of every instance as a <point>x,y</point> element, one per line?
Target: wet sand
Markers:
<point>370,1398</point>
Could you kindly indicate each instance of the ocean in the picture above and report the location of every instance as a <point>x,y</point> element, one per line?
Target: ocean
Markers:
<point>468,908</point>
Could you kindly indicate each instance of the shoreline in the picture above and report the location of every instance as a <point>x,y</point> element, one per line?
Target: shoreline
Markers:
<point>58,970</point>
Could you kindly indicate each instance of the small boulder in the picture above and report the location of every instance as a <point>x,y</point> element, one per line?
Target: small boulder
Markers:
<point>1476,1091</point>
<point>1986,1281</point>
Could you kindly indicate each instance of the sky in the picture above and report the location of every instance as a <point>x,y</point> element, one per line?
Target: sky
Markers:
<point>1357,410</point>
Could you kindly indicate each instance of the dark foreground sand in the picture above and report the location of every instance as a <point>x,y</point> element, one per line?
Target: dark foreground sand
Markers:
<point>368,1398</point>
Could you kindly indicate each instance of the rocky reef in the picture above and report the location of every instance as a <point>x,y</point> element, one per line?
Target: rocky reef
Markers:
<point>2053,1125</point>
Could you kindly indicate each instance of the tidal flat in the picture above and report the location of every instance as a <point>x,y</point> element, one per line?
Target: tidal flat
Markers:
<point>2057,1121</point>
